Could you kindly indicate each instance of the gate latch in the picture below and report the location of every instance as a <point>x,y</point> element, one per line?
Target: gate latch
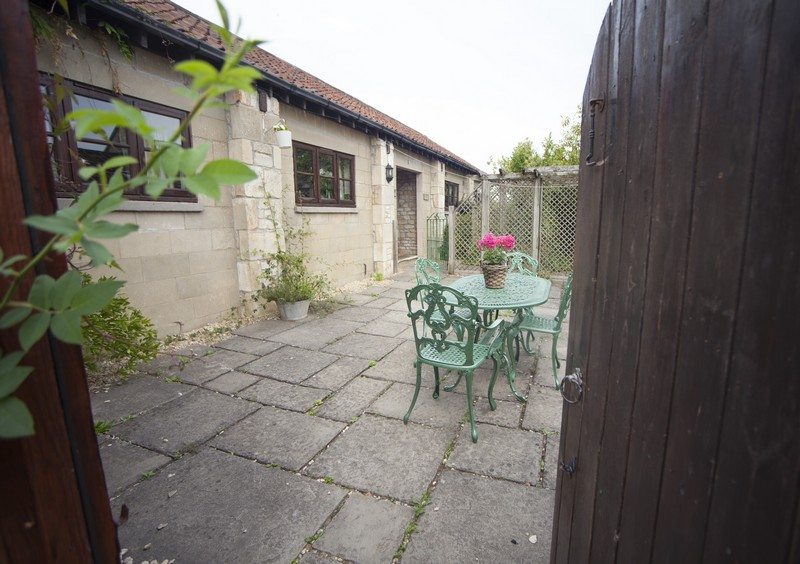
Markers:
<point>575,382</point>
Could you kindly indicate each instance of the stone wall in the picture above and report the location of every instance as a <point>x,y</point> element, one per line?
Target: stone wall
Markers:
<point>406,213</point>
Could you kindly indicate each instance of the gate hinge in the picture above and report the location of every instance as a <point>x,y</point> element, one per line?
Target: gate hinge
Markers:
<point>571,466</point>
<point>576,381</point>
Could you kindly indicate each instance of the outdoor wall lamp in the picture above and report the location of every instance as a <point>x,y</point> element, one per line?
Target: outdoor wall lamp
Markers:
<point>389,173</point>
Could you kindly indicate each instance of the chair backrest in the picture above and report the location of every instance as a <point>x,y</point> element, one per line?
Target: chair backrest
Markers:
<point>522,263</point>
<point>428,271</point>
<point>431,309</point>
<point>566,297</point>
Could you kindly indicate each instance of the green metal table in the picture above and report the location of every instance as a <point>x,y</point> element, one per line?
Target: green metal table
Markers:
<point>521,291</point>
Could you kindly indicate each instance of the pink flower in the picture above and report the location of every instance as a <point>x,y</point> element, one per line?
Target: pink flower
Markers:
<point>506,241</point>
<point>488,241</point>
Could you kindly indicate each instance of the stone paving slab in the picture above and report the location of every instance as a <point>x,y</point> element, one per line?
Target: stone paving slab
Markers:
<point>478,517</point>
<point>359,314</point>
<point>314,557</point>
<point>371,347</point>
<point>398,367</point>
<point>507,413</point>
<point>124,463</point>
<point>276,436</point>
<point>268,327</point>
<point>373,290</point>
<point>399,305</point>
<point>317,335</point>
<point>290,364</point>
<point>281,394</point>
<point>381,303</point>
<point>383,328</point>
<point>551,460</point>
<point>543,411</point>
<point>213,364</point>
<point>353,399</point>
<point>137,395</point>
<point>511,454</point>
<point>232,382</point>
<point>248,345</point>
<point>353,299</point>
<point>336,375</point>
<point>385,457</point>
<point>366,529</point>
<point>400,317</point>
<point>446,411</point>
<point>187,421</point>
<point>480,384</point>
<point>225,509</point>
<point>396,293</point>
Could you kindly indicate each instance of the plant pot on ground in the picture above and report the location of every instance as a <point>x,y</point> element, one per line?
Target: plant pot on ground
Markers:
<point>288,282</point>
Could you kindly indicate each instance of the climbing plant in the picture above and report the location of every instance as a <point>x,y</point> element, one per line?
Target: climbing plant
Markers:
<point>62,304</point>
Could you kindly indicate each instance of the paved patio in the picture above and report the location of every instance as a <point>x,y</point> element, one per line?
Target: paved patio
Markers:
<point>286,442</point>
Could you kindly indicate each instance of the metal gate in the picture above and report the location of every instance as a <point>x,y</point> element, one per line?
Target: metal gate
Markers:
<point>538,208</point>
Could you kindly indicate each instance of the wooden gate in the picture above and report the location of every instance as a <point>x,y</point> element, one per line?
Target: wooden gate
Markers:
<point>685,319</point>
<point>53,501</point>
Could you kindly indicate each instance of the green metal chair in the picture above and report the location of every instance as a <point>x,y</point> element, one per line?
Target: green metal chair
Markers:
<point>446,340</point>
<point>522,263</point>
<point>429,272</point>
<point>533,323</point>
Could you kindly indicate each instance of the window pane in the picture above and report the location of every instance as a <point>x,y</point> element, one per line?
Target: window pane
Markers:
<point>326,165</point>
<point>94,154</point>
<point>303,161</point>
<point>326,188</point>
<point>164,126</point>
<point>344,168</point>
<point>345,190</point>
<point>305,185</point>
<point>112,133</point>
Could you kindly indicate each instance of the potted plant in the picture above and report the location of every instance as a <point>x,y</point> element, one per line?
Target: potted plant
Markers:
<point>283,134</point>
<point>288,282</point>
<point>494,258</point>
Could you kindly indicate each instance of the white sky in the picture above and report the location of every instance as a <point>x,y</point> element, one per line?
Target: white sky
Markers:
<point>475,76</point>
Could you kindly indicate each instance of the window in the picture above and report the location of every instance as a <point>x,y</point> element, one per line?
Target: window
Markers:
<point>450,194</point>
<point>69,154</point>
<point>323,177</point>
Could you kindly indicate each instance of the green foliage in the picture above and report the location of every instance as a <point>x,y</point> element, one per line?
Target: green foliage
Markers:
<point>102,427</point>
<point>65,306</point>
<point>565,151</point>
<point>288,279</point>
<point>149,474</point>
<point>120,38</point>
<point>444,250</point>
<point>378,277</point>
<point>315,537</point>
<point>327,480</point>
<point>118,334</point>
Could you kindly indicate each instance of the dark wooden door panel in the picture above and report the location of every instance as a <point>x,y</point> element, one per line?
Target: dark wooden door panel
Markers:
<point>684,319</point>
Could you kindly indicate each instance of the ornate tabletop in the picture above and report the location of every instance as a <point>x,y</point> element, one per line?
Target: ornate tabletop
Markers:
<point>521,290</point>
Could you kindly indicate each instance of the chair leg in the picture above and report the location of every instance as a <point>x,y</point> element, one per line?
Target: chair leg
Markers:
<point>454,385</point>
<point>528,342</point>
<point>492,403</point>
<point>517,339</point>
<point>556,364</point>
<point>436,389</point>
<point>555,353</point>
<point>416,392</point>
<point>468,378</point>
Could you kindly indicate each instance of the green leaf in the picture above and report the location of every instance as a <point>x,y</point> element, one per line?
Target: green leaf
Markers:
<point>98,253</point>
<point>33,329</point>
<point>118,162</point>
<point>65,288</point>
<point>84,201</point>
<point>134,118</point>
<point>11,375</point>
<point>202,73</point>
<point>192,158</point>
<point>86,172</point>
<point>66,326</point>
<point>52,224</point>
<point>110,202</point>
<point>170,161</point>
<point>39,295</point>
<point>156,186</point>
<point>14,316</point>
<point>10,261</point>
<point>229,171</point>
<point>88,121</point>
<point>15,419</point>
<point>107,230</point>
<point>202,184</point>
<point>94,297</point>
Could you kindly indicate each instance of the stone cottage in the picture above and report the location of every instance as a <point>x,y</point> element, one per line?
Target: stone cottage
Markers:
<point>194,259</point>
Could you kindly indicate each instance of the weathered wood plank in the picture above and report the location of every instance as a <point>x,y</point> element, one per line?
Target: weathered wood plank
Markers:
<point>735,54</point>
<point>601,337</point>
<point>640,104</point>
<point>586,242</point>
<point>752,516</point>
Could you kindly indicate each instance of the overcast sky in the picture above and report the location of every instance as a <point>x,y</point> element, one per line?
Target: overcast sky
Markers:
<point>475,76</point>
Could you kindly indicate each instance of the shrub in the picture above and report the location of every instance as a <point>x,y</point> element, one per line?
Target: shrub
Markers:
<point>287,279</point>
<point>118,335</point>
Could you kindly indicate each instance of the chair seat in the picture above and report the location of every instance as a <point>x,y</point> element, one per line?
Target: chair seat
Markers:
<point>533,322</point>
<point>461,312</point>
<point>454,356</point>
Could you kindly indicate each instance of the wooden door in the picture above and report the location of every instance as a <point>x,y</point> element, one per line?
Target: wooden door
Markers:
<point>53,501</point>
<point>685,320</point>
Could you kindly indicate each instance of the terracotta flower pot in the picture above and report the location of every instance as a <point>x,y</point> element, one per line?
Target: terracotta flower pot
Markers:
<point>494,275</point>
